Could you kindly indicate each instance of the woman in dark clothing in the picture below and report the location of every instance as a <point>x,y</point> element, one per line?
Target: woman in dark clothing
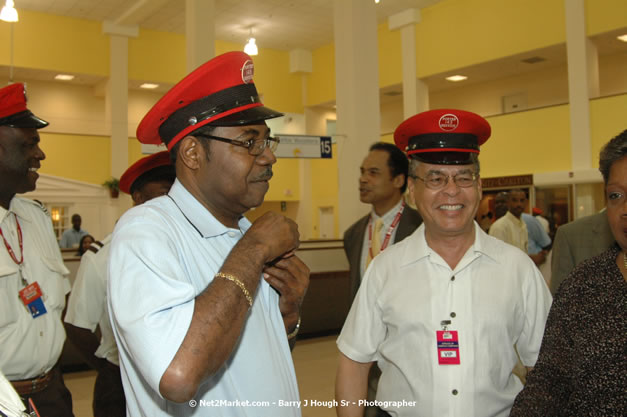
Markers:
<point>582,367</point>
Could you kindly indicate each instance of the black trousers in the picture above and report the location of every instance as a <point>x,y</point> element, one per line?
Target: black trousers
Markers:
<point>109,400</point>
<point>55,400</point>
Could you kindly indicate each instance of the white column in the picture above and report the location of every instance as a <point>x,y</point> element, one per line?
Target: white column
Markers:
<point>578,84</point>
<point>415,91</point>
<point>199,32</point>
<point>117,94</point>
<point>357,96</point>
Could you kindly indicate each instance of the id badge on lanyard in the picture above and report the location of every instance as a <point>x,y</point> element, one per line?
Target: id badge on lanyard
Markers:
<point>448,345</point>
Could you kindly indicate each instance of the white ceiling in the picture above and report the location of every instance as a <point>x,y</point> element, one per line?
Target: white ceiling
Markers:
<point>277,24</point>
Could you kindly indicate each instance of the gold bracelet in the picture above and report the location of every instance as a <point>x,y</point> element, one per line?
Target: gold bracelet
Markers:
<point>239,283</point>
<point>295,331</point>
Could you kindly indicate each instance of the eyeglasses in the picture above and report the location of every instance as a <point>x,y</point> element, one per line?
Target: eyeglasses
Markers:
<point>437,181</point>
<point>255,147</point>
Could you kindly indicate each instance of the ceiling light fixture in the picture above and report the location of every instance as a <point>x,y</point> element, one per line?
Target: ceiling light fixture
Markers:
<point>64,77</point>
<point>149,86</point>
<point>622,37</point>
<point>377,1</point>
<point>8,13</point>
<point>251,46</point>
<point>457,78</point>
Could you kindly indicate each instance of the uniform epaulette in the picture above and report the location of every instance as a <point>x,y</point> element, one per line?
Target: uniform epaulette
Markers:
<point>95,246</point>
<point>41,206</point>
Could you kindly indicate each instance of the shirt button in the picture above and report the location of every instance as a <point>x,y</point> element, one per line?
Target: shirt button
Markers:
<point>453,278</point>
<point>231,234</point>
<point>454,392</point>
<point>453,314</point>
<point>41,334</point>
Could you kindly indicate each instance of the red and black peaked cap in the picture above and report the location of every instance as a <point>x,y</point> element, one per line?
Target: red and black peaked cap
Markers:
<point>221,92</point>
<point>13,111</point>
<point>442,136</point>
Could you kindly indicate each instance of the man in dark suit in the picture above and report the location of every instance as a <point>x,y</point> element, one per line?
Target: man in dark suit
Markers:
<point>382,182</point>
<point>577,241</point>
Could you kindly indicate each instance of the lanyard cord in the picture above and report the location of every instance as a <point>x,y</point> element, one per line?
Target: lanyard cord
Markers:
<point>388,234</point>
<point>19,238</point>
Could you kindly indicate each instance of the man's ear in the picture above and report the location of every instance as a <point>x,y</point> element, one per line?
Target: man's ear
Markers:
<point>398,181</point>
<point>137,197</point>
<point>191,152</point>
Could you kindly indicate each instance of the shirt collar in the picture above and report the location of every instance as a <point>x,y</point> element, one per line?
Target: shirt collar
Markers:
<point>16,207</point>
<point>391,213</point>
<point>198,216</point>
<point>513,218</point>
<point>419,248</point>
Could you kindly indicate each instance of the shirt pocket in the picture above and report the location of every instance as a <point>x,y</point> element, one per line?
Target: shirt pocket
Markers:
<point>9,303</point>
<point>53,283</point>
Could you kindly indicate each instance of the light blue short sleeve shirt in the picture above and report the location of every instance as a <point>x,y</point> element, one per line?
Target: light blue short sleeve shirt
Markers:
<point>164,253</point>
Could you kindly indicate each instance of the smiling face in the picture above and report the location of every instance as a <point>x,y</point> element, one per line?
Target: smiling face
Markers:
<point>616,194</point>
<point>449,211</point>
<point>20,158</point>
<point>227,179</point>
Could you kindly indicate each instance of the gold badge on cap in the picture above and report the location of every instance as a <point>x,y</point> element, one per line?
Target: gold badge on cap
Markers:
<point>247,71</point>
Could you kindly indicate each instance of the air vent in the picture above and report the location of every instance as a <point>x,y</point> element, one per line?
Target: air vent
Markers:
<point>533,60</point>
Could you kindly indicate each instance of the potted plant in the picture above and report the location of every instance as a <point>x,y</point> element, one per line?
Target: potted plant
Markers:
<point>113,184</point>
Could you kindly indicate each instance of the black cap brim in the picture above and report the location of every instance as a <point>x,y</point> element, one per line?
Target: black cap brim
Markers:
<point>24,120</point>
<point>247,117</point>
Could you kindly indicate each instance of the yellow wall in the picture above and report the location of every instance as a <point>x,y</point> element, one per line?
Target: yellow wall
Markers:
<point>448,38</point>
<point>321,82</point>
<point>83,158</point>
<point>390,56</point>
<point>56,43</point>
<point>605,15</point>
<point>285,185</point>
<point>324,188</point>
<point>527,143</point>
<point>157,56</point>
<point>607,119</point>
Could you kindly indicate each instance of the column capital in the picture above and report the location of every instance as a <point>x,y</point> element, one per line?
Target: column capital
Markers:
<point>404,18</point>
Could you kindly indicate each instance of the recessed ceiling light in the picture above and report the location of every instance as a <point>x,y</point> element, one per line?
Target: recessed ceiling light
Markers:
<point>456,78</point>
<point>622,37</point>
<point>149,86</point>
<point>64,77</point>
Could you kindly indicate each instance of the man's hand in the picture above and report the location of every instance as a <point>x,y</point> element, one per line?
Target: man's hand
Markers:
<point>290,277</point>
<point>274,234</point>
<point>539,258</point>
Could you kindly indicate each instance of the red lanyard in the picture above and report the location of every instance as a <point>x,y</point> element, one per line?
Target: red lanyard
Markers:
<point>19,238</point>
<point>388,234</point>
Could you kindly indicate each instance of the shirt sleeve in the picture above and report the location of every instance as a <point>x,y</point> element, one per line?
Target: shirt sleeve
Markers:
<point>86,303</point>
<point>548,384</point>
<point>537,302</point>
<point>151,302</point>
<point>364,329</point>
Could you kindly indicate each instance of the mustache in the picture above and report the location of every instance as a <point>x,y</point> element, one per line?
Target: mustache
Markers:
<point>264,176</point>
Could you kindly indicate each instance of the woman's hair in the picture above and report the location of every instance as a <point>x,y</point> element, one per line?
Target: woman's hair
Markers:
<point>81,251</point>
<point>613,151</point>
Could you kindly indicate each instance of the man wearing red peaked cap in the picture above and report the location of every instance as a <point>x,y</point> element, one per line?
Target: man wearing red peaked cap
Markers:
<point>34,278</point>
<point>204,304</point>
<point>453,295</point>
<point>148,178</point>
